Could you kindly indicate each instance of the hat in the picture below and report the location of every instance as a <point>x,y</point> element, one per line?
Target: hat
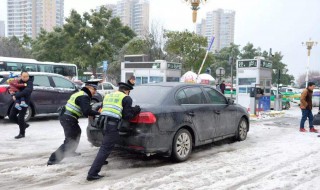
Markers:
<point>125,85</point>
<point>93,84</point>
<point>132,77</point>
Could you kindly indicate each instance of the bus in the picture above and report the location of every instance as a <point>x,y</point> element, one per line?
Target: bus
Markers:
<point>21,64</point>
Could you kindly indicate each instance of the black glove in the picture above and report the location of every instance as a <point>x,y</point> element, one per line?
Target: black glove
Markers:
<point>136,109</point>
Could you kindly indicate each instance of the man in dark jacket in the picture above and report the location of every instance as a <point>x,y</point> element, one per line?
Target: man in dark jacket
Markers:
<point>26,93</point>
<point>116,106</point>
<point>306,107</point>
<point>222,87</point>
<point>77,105</point>
<point>132,80</point>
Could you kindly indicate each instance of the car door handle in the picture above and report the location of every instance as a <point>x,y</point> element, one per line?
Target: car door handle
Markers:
<point>217,112</point>
<point>191,113</point>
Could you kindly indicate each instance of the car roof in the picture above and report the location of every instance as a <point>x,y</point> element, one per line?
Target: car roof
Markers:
<point>173,84</point>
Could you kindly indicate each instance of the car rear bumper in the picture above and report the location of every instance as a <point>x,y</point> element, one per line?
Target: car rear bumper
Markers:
<point>139,142</point>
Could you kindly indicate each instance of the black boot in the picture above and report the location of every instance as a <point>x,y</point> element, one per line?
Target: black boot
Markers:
<point>19,136</point>
<point>94,177</point>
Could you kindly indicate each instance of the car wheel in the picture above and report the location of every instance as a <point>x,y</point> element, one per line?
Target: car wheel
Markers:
<point>182,145</point>
<point>1,117</point>
<point>28,114</point>
<point>242,130</point>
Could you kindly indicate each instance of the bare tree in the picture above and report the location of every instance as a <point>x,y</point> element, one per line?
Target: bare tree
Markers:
<point>11,47</point>
<point>314,76</point>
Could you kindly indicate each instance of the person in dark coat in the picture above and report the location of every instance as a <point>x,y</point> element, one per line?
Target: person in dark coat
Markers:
<point>222,87</point>
<point>306,107</point>
<point>18,116</point>
<point>15,86</point>
<point>77,106</point>
<point>116,106</point>
<point>132,80</point>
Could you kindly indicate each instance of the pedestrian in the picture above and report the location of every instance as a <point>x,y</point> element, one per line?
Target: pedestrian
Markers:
<point>77,105</point>
<point>18,115</point>
<point>132,80</point>
<point>306,107</point>
<point>15,85</point>
<point>116,106</point>
<point>222,87</point>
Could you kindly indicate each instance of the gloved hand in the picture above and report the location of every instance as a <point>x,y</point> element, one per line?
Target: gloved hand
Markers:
<point>137,109</point>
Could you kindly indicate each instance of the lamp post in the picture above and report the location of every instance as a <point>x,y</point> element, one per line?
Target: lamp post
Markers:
<point>309,45</point>
<point>194,7</point>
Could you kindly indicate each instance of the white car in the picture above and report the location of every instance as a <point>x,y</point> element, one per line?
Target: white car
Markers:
<point>106,88</point>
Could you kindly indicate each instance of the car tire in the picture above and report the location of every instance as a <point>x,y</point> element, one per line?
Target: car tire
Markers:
<point>242,130</point>
<point>28,114</point>
<point>1,117</point>
<point>181,146</point>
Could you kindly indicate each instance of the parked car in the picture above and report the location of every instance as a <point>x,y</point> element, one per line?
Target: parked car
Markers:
<point>106,88</point>
<point>176,117</point>
<point>50,91</point>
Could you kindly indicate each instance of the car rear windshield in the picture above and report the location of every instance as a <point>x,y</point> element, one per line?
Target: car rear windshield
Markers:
<point>149,94</point>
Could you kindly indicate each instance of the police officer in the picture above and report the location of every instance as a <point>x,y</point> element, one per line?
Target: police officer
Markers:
<point>116,106</point>
<point>77,105</point>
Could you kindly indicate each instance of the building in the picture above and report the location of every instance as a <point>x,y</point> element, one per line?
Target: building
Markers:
<point>2,29</point>
<point>29,16</point>
<point>220,24</point>
<point>132,13</point>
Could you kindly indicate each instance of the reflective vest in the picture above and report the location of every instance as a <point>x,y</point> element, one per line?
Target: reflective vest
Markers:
<point>71,105</point>
<point>112,104</point>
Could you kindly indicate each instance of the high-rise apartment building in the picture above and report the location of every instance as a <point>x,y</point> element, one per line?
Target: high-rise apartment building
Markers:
<point>29,16</point>
<point>2,29</point>
<point>220,24</point>
<point>133,13</point>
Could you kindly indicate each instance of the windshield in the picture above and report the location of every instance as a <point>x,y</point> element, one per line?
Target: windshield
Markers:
<point>149,94</point>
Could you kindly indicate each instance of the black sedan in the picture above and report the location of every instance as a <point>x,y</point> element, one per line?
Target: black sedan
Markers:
<point>176,117</point>
<point>50,91</point>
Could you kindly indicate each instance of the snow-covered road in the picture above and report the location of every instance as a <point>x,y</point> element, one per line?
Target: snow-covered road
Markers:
<point>274,156</point>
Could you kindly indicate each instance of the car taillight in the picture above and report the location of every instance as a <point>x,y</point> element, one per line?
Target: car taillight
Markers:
<point>144,117</point>
<point>3,89</point>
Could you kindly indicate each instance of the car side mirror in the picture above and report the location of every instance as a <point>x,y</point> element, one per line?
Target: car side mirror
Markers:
<point>230,101</point>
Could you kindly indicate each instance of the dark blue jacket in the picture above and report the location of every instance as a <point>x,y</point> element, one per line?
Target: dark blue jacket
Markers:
<point>26,91</point>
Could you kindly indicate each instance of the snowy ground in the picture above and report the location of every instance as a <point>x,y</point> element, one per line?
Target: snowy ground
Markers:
<point>274,156</point>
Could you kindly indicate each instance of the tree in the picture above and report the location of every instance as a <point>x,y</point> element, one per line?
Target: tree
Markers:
<point>188,47</point>
<point>11,47</point>
<point>249,52</point>
<point>85,40</point>
<point>150,44</point>
<point>314,76</point>
<point>277,64</point>
<point>225,57</point>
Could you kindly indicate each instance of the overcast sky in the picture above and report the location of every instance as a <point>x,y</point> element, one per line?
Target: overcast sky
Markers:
<point>278,24</point>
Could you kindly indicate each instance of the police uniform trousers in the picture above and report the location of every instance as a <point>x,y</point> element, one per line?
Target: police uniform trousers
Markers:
<point>72,133</point>
<point>19,119</point>
<point>110,138</point>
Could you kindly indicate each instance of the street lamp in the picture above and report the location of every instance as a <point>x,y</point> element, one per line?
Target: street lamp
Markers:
<point>194,7</point>
<point>309,45</point>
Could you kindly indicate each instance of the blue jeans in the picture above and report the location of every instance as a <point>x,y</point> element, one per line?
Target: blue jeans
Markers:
<point>306,114</point>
